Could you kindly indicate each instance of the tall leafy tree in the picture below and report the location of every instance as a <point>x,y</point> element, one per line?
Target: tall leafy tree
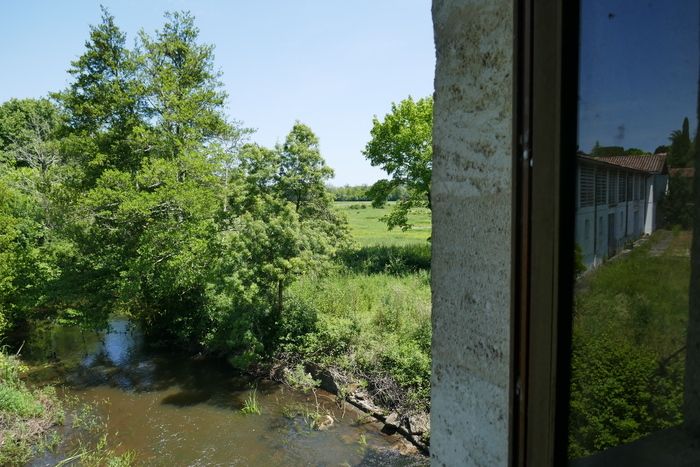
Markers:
<point>680,153</point>
<point>165,213</point>
<point>401,145</point>
<point>303,172</point>
<point>183,92</point>
<point>104,104</point>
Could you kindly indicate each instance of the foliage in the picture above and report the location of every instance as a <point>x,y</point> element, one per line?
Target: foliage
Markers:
<point>29,133</point>
<point>401,145</point>
<point>361,193</point>
<point>303,172</point>
<point>681,150</point>
<point>150,203</point>
<point>607,151</point>
<point>374,329</point>
<point>619,393</point>
<point>26,414</point>
<point>677,205</point>
<point>634,152</point>
<point>629,324</point>
<point>300,380</point>
<point>390,259</point>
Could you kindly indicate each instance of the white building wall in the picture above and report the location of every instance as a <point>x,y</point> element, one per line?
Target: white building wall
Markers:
<point>650,208</point>
<point>632,217</point>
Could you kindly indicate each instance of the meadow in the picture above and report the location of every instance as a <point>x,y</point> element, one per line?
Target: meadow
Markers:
<point>367,228</point>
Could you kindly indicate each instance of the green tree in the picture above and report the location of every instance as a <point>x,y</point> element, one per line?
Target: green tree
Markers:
<point>104,104</point>
<point>634,152</point>
<point>303,172</point>
<point>147,122</point>
<point>183,92</point>
<point>607,151</point>
<point>401,144</point>
<point>680,153</point>
<point>29,133</point>
<point>662,149</point>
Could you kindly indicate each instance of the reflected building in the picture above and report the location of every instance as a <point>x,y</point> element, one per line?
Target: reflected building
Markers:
<point>617,202</point>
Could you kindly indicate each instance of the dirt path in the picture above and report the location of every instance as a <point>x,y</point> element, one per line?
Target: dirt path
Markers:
<point>661,245</point>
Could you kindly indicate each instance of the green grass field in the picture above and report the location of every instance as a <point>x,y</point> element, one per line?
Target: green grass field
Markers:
<point>367,228</point>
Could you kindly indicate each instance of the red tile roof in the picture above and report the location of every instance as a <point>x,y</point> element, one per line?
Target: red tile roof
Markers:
<point>647,163</point>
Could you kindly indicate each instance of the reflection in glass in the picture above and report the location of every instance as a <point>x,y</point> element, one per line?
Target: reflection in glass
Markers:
<point>638,147</point>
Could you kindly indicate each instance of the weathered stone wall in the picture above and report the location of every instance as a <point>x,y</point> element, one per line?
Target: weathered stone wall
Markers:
<point>471,196</point>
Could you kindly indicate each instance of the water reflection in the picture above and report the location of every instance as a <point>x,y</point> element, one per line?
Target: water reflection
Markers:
<point>173,409</point>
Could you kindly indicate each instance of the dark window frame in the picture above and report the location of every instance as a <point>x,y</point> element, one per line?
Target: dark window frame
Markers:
<point>545,148</point>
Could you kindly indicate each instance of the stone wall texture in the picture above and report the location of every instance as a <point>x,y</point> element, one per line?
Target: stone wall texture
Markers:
<point>471,238</point>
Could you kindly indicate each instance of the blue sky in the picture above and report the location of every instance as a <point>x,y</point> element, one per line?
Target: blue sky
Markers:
<point>639,71</point>
<point>331,64</point>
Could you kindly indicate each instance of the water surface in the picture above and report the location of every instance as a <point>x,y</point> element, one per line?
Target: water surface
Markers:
<point>174,409</point>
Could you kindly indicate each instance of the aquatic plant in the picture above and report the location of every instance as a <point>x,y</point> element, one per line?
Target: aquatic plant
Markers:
<point>250,405</point>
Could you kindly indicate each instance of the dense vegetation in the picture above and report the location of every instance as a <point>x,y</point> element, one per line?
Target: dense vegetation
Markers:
<point>629,346</point>
<point>677,206</point>
<point>130,192</point>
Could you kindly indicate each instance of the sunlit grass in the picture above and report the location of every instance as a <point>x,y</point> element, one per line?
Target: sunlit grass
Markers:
<point>367,228</point>
<point>377,326</point>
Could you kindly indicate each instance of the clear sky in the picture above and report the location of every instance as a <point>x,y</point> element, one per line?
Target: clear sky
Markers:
<point>639,71</point>
<point>331,64</point>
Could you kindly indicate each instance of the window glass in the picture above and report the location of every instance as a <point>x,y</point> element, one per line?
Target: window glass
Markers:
<point>632,373</point>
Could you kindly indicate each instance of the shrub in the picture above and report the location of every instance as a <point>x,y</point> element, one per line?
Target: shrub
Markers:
<point>392,259</point>
<point>619,393</point>
<point>374,329</point>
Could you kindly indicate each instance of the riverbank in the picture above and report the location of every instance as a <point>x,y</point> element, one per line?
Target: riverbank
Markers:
<point>367,339</point>
<point>37,422</point>
<point>26,415</point>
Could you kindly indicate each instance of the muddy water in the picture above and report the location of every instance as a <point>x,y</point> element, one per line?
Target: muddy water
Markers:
<point>177,410</point>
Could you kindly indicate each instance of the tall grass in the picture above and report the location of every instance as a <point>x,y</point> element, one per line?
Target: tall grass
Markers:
<point>26,414</point>
<point>391,259</point>
<point>628,347</point>
<point>250,405</point>
<point>374,328</point>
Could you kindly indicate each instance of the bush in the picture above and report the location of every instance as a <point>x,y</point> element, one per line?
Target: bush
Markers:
<point>677,206</point>
<point>373,329</point>
<point>619,393</point>
<point>392,259</point>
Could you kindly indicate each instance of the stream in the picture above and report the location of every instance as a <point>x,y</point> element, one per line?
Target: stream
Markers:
<point>172,409</point>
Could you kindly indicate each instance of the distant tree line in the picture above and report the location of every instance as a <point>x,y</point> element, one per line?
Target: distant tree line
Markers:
<point>612,151</point>
<point>362,193</point>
